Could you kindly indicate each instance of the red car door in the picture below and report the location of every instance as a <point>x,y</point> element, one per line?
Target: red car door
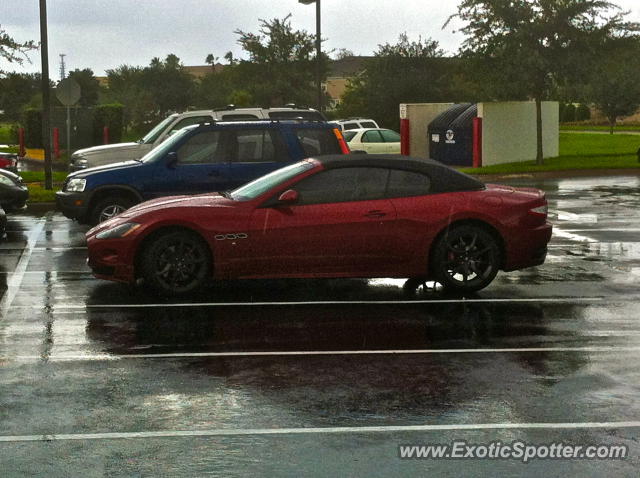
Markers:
<point>341,226</point>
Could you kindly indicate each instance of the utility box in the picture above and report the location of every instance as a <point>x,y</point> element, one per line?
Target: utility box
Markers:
<point>450,135</point>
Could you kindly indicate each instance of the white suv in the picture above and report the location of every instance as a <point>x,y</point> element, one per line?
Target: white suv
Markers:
<point>356,123</point>
<point>113,153</point>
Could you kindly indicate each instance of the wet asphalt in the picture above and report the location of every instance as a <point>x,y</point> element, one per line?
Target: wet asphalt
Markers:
<point>323,377</point>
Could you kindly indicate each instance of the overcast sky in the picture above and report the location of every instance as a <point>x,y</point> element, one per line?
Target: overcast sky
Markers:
<point>103,34</point>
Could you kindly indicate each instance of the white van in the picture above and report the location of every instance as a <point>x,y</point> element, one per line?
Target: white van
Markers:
<point>356,123</point>
<point>113,153</point>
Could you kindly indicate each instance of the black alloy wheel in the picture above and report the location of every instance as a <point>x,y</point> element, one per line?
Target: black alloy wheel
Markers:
<point>466,258</point>
<point>176,263</point>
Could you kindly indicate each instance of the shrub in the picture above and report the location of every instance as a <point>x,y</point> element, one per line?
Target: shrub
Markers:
<point>33,128</point>
<point>569,113</point>
<point>583,113</point>
<point>111,116</point>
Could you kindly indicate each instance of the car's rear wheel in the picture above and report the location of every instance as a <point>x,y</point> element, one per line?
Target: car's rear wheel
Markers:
<point>176,263</point>
<point>466,258</point>
<point>109,207</point>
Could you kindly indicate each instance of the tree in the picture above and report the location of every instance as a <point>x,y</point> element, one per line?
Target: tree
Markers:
<point>281,65</point>
<point>89,86</point>
<point>16,91</point>
<point>211,60</point>
<point>171,86</point>
<point>404,72</point>
<point>526,47</point>
<point>13,51</point>
<point>614,85</point>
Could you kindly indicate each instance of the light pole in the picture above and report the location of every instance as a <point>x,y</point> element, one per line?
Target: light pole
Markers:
<point>46,103</point>
<point>318,51</point>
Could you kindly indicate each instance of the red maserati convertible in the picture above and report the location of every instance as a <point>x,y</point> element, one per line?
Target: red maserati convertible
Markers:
<point>334,216</point>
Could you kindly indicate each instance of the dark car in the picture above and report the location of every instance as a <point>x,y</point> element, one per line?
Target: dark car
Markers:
<point>202,158</point>
<point>9,161</point>
<point>327,218</point>
<point>13,191</point>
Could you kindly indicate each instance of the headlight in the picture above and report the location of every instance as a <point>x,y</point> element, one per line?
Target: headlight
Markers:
<point>76,185</point>
<point>119,231</point>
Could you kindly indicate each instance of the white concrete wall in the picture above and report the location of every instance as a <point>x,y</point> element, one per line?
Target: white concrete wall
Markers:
<point>419,116</point>
<point>509,131</point>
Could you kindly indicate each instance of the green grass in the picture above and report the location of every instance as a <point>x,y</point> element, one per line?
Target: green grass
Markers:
<point>38,176</point>
<point>5,133</point>
<point>12,149</point>
<point>591,127</point>
<point>37,193</point>
<point>578,151</point>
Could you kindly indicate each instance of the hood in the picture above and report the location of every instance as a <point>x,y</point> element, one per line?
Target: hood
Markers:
<point>112,148</point>
<point>107,167</point>
<point>201,200</point>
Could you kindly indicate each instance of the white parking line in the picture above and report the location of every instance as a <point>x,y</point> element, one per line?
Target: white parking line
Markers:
<point>180,355</point>
<point>551,300</point>
<point>317,430</point>
<point>14,281</point>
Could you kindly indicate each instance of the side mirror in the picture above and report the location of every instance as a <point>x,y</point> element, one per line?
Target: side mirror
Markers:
<point>172,160</point>
<point>290,196</point>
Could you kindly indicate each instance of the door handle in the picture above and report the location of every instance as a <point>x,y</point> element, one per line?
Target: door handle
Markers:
<point>375,214</point>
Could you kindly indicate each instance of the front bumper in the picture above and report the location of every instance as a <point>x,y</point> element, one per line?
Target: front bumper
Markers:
<point>111,259</point>
<point>73,205</point>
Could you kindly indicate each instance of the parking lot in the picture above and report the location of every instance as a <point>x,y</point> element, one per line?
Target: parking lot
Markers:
<point>323,377</point>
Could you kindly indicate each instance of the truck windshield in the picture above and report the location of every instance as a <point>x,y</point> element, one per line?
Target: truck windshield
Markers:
<point>152,135</point>
<point>255,188</point>
<point>161,150</point>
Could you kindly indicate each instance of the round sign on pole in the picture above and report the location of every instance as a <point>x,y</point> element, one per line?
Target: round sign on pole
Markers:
<point>68,92</point>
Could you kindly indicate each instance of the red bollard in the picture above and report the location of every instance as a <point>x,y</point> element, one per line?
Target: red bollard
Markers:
<point>105,135</point>
<point>21,151</point>
<point>56,143</point>
<point>405,146</point>
<point>477,142</point>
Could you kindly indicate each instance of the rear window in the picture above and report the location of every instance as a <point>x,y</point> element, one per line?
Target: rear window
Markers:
<point>348,135</point>
<point>315,142</point>
<point>305,115</point>
<point>239,117</point>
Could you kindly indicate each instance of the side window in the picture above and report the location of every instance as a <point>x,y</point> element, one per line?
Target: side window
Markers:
<point>407,183</point>
<point>189,121</point>
<point>258,146</point>
<point>372,137</point>
<point>390,136</point>
<point>350,126</point>
<point>343,185</point>
<point>203,148</point>
<point>349,135</point>
<point>318,141</point>
<point>368,124</point>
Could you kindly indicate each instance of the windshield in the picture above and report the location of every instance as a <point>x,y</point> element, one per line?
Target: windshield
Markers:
<point>162,150</point>
<point>152,135</point>
<point>255,188</point>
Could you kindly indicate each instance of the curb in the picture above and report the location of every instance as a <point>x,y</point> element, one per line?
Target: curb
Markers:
<point>560,174</point>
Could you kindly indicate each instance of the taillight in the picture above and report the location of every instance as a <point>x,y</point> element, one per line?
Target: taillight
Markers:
<point>343,144</point>
<point>540,210</point>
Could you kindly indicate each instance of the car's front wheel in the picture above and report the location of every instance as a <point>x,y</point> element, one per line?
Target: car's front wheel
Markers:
<point>176,263</point>
<point>466,258</point>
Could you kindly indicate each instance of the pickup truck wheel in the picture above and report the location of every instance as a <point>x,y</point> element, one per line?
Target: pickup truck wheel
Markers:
<point>109,207</point>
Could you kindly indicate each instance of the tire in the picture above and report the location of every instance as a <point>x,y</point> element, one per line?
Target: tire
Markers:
<point>466,258</point>
<point>109,207</point>
<point>176,263</point>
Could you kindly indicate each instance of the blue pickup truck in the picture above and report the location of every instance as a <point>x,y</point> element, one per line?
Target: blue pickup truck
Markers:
<point>209,157</point>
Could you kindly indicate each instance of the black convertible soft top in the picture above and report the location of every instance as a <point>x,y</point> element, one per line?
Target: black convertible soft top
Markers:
<point>443,178</point>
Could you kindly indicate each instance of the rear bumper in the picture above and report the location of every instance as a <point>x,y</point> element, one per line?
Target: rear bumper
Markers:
<point>527,248</point>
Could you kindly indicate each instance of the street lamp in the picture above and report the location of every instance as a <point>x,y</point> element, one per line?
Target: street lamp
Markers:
<point>318,51</point>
